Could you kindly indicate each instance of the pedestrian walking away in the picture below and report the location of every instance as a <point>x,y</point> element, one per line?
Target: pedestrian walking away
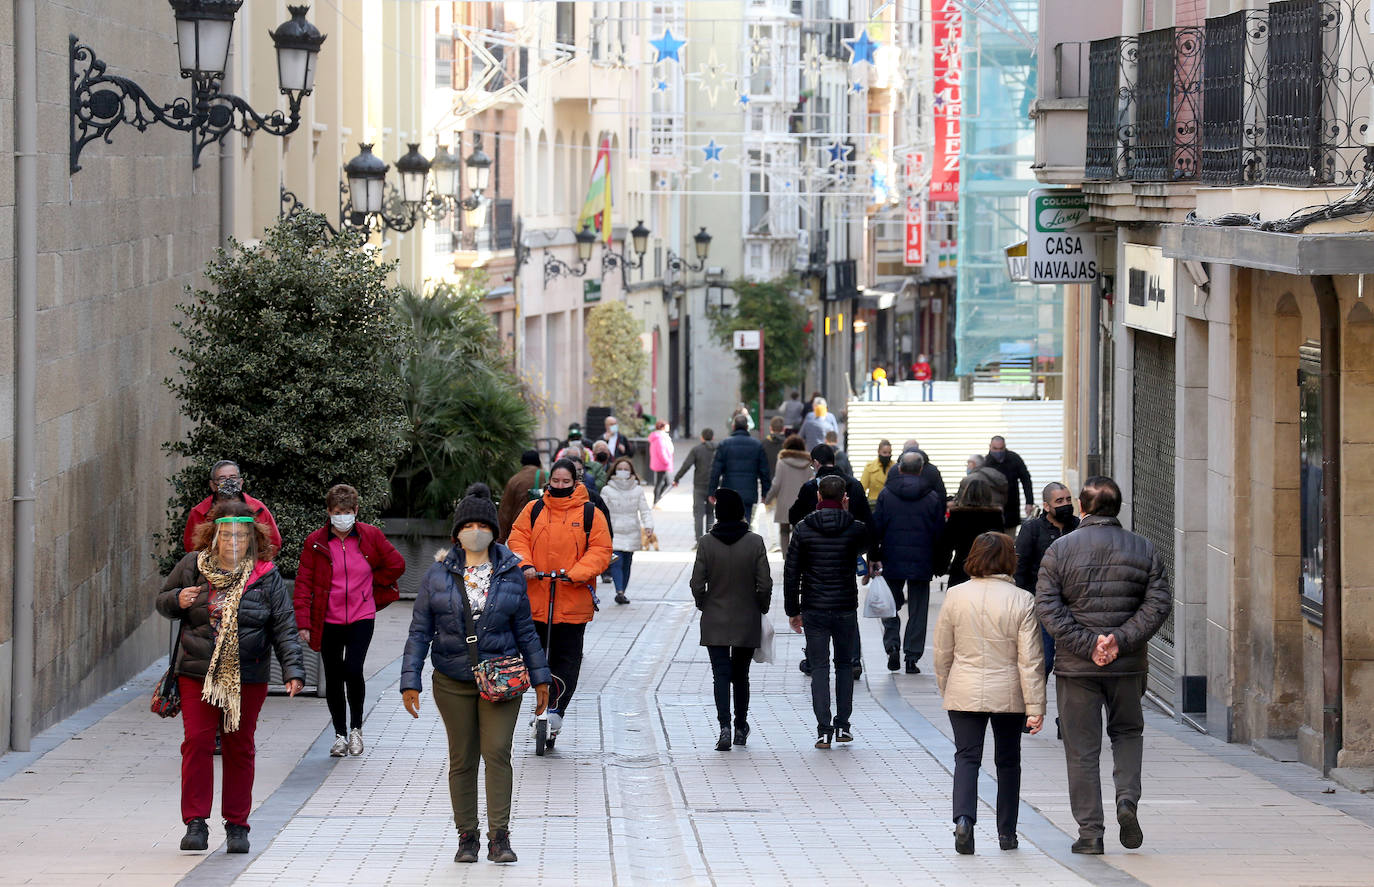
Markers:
<point>226,482</point>
<point>821,598</point>
<point>472,613</point>
<point>818,423</point>
<point>699,462</point>
<point>907,524</point>
<point>989,670</point>
<point>1056,518</point>
<point>733,587</point>
<point>968,519</point>
<point>792,410</point>
<point>1013,468</point>
<point>660,458</point>
<point>631,521</point>
<point>790,474</point>
<point>348,571</point>
<point>526,484</point>
<point>874,476</point>
<point>1102,594</point>
<point>832,440</point>
<point>234,612</point>
<point>772,444</point>
<point>741,465</point>
<point>930,473</point>
<point>562,533</point>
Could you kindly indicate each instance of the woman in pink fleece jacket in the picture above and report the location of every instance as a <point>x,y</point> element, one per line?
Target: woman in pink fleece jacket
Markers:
<point>660,458</point>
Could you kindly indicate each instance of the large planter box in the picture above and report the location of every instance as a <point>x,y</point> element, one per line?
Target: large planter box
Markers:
<point>417,540</point>
<point>314,667</point>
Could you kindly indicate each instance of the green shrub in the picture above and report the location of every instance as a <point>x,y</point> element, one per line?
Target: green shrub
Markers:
<point>618,358</point>
<point>770,307</point>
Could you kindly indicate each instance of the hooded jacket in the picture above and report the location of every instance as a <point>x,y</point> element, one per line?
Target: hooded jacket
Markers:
<point>558,541</point>
<point>732,585</point>
<point>316,573</point>
<point>630,511</point>
<point>993,478</point>
<point>930,473</point>
<point>988,655</point>
<point>741,465</point>
<point>790,474</point>
<point>962,527</point>
<point>818,573</point>
<point>1102,579</point>
<point>660,451</point>
<point>201,513</point>
<point>437,623</point>
<point>267,623</point>
<point>907,523</point>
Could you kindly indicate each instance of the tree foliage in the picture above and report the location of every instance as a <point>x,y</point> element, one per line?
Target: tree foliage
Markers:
<point>466,417</point>
<point>618,358</point>
<point>768,306</point>
<point>284,372</point>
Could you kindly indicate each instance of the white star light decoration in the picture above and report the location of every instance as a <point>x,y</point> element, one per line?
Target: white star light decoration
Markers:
<point>812,62</point>
<point>758,47</point>
<point>712,77</point>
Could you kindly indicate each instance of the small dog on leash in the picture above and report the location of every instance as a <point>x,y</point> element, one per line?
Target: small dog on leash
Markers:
<point>648,541</point>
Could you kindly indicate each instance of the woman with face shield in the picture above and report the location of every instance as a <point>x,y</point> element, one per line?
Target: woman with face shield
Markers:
<point>234,612</point>
<point>476,582</point>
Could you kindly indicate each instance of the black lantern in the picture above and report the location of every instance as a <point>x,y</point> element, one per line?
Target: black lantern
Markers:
<point>475,212</point>
<point>445,167</point>
<point>478,166</point>
<point>366,175</point>
<point>100,101</point>
<point>639,236</point>
<point>414,169</point>
<point>585,238</point>
<point>702,241</point>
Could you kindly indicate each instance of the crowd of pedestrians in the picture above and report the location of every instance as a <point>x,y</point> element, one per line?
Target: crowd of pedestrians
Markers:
<point>506,607</point>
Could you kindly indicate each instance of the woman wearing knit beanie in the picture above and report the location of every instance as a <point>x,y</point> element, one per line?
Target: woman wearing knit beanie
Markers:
<point>483,576</point>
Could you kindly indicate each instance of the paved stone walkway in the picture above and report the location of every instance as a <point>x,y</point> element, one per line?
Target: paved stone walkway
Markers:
<point>636,794</point>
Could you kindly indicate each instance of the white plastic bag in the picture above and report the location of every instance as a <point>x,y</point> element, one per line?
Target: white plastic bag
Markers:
<point>879,604</point>
<point>763,653</point>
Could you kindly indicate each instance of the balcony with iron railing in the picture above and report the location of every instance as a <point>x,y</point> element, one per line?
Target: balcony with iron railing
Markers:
<point>1270,96</point>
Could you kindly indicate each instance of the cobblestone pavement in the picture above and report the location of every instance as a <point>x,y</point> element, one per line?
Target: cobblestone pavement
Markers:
<point>636,794</point>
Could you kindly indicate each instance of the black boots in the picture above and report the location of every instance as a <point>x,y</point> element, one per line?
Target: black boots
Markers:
<point>912,667</point>
<point>498,846</point>
<point>723,743</point>
<point>1131,835</point>
<point>1008,842</point>
<point>1087,846</point>
<point>963,836</point>
<point>197,835</point>
<point>469,845</point>
<point>894,661</point>
<point>741,734</point>
<point>237,838</point>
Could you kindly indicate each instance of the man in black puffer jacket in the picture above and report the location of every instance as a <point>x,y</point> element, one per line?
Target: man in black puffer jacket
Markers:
<point>821,597</point>
<point>1102,594</point>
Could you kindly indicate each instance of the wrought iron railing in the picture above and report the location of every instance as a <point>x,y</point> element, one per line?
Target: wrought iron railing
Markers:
<point>1233,98</point>
<point>1111,63</point>
<point>1168,96</point>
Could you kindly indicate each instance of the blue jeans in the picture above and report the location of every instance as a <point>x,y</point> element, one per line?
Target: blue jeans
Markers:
<point>620,570</point>
<point>821,628</point>
<point>928,390</point>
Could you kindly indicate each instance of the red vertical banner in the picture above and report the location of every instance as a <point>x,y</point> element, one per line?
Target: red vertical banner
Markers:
<point>947,33</point>
<point>915,253</point>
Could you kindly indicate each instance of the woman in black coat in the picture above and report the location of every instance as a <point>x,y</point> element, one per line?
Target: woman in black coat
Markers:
<point>978,513</point>
<point>733,587</point>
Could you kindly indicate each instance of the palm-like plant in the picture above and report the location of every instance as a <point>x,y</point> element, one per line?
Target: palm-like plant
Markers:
<point>466,418</point>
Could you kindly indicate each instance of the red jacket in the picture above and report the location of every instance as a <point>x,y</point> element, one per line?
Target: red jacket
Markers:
<point>315,575</point>
<point>201,513</point>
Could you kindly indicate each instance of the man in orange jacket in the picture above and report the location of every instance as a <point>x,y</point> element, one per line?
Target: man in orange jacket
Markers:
<point>562,531</point>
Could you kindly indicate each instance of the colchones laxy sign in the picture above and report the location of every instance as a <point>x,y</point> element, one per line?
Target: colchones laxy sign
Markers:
<point>1060,244</point>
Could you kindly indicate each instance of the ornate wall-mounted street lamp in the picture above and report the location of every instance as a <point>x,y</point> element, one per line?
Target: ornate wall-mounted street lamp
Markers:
<point>702,240</point>
<point>100,102</point>
<point>639,238</point>
<point>555,267</point>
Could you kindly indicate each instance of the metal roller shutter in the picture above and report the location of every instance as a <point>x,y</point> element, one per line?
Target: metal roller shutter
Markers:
<point>1152,482</point>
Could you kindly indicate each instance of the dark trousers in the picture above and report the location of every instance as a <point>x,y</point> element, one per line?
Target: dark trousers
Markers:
<point>730,670</point>
<point>917,613</point>
<point>201,721</point>
<point>620,570</point>
<point>1081,701</point>
<point>1047,641</point>
<point>343,649</point>
<point>703,513</point>
<point>565,660</point>
<point>970,728</point>
<point>661,484</point>
<point>822,628</point>
<point>784,536</point>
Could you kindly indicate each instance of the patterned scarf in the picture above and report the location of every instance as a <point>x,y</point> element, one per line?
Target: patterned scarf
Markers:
<point>223,679</point>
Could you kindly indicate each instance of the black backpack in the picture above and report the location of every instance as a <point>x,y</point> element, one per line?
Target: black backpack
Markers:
<point>588,515</point>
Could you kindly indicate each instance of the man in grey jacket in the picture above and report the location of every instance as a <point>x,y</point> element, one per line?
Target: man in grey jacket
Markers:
<point>1102,594</point>
<point>700,459</point>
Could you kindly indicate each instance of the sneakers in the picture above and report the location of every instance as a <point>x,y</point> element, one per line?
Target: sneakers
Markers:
<point>805,665</point>
<point>197,835</point>
<point>469,845</point>
<point>498,847</point>
<point>1131,835</point>
<point>355,742</point>
<point>621,599</point>
<point>555,723</point>
<point>237,836</point>
<point>844,734</point>
<point>340,746</point>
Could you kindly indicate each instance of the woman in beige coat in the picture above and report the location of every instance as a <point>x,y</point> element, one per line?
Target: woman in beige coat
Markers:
<point>793,469</point>
<point>990,669</point>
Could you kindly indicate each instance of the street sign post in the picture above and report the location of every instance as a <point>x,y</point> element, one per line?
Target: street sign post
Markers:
<point>752,340</point>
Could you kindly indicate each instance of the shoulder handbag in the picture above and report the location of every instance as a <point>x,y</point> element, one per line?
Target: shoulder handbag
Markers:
<point>498,680</point>
<point>166,702</point>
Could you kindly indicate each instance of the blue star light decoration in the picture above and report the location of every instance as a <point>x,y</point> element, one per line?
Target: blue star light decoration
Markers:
<point>857,86</point>
<point>861,49</point>
<point>712,150</point>
<point>744,99</point>
<point>839,152</point>
<point>661,86</point>
<point>668,46</point>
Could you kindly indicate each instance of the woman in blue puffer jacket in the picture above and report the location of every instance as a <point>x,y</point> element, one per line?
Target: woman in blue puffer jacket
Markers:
<point>489,575</point>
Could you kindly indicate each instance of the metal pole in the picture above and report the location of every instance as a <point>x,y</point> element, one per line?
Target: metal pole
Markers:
<point>25,364</point>
<point>1329,307</point>
<point>761,433</point>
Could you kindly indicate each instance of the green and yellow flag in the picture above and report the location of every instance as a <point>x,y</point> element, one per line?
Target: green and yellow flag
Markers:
<point>596,209</point>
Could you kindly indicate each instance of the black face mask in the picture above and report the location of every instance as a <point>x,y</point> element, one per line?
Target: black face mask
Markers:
<point>998,455</point>
<point>1063,513</point>
<point>885,461</point>
<point>561,492</point>
<point>603,457</point>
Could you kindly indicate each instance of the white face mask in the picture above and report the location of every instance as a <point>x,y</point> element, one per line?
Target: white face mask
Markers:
<point>475,539</point>
<point>613,430</point>
<point>343,522</point>
<point>623,473</point>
